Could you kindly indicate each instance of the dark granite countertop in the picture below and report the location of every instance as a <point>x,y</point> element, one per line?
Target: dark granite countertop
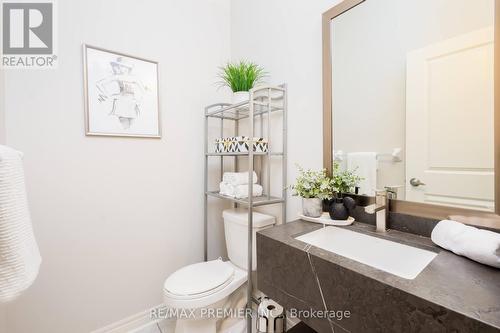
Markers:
<point>450,281</point>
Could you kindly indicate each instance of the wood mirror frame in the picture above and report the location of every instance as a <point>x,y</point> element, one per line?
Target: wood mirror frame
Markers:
<point>469,216</point>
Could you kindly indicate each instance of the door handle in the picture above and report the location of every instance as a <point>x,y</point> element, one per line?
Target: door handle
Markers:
<point>415,182</point>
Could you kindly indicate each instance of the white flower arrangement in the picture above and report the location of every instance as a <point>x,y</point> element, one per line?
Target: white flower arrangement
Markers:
<point>312,184</point>
<point>343,181</point>
<point>317,184</point>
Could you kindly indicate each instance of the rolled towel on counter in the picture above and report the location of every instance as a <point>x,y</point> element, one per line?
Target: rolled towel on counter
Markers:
<point>239,191</point>
<point>479,245</point>
<point>238,178</point>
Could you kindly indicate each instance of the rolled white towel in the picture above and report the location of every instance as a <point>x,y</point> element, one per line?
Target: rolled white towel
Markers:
<point>239,191</point>
<point>238,178</point>
<point>480,245</point>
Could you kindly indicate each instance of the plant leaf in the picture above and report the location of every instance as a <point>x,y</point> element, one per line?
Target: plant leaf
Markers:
<point>241,76</point>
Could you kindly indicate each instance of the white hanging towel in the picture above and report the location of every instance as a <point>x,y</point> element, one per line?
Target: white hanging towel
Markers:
<point>19,255</point>
<point>365,165</point>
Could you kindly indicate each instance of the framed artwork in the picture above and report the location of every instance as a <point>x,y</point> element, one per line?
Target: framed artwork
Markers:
<point>121,94</point>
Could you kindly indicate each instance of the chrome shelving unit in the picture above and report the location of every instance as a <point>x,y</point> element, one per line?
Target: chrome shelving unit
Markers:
<point>263,102</point>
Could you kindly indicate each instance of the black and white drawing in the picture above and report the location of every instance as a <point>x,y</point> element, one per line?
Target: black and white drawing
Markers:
<point>121,94</point>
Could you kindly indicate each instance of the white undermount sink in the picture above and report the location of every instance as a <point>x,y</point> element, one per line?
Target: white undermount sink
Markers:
<point>395,258</point>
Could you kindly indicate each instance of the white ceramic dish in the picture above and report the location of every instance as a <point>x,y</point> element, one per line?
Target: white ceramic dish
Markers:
<point>326,220</point>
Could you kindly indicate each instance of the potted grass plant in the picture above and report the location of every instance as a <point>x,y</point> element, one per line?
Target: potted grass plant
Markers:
<point>313,187</point>
<point>241,77</point>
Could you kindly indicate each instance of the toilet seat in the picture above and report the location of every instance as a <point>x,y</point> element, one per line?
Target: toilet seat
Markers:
<point>202,284</point>
<point>199,280</point>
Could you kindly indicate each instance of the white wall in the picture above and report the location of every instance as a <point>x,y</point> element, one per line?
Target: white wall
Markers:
<point>114,217</point>
<point>285,37</point>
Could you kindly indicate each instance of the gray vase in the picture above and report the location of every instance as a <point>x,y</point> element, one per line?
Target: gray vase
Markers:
<point>312,207</point>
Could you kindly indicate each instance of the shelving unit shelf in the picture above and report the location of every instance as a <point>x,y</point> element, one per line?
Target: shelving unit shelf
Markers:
<point>242,154</point>
<point>262,103</point>
<point>257,201</point>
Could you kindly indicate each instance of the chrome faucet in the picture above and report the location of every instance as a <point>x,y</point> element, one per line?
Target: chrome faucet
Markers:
<point>381,208</point>
<point>392,191</point>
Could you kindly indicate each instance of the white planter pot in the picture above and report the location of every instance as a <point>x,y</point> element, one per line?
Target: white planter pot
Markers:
<point>240,96</point>
<point>312,207</point>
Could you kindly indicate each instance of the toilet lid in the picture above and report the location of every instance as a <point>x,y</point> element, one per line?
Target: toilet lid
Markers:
<point>199,278</point>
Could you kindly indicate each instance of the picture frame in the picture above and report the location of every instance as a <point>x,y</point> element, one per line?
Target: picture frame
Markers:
<point>121,94</point>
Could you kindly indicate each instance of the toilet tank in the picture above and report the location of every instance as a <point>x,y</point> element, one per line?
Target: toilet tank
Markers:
<point>236,233</point>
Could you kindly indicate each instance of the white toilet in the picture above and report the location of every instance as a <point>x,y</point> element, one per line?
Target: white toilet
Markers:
<point>207,285</point>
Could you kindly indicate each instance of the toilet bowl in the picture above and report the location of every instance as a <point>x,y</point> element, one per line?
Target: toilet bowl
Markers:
<point>201,288</point>
<point>197,293</point>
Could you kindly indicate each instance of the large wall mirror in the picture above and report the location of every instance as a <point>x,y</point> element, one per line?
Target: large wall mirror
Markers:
<point>409,100</point>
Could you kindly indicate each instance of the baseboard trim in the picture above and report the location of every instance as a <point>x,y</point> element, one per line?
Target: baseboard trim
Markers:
<point>130,324</point>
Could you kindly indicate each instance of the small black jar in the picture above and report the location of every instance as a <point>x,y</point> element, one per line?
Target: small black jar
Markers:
<point>338,211</point>
<point>326,204</point>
